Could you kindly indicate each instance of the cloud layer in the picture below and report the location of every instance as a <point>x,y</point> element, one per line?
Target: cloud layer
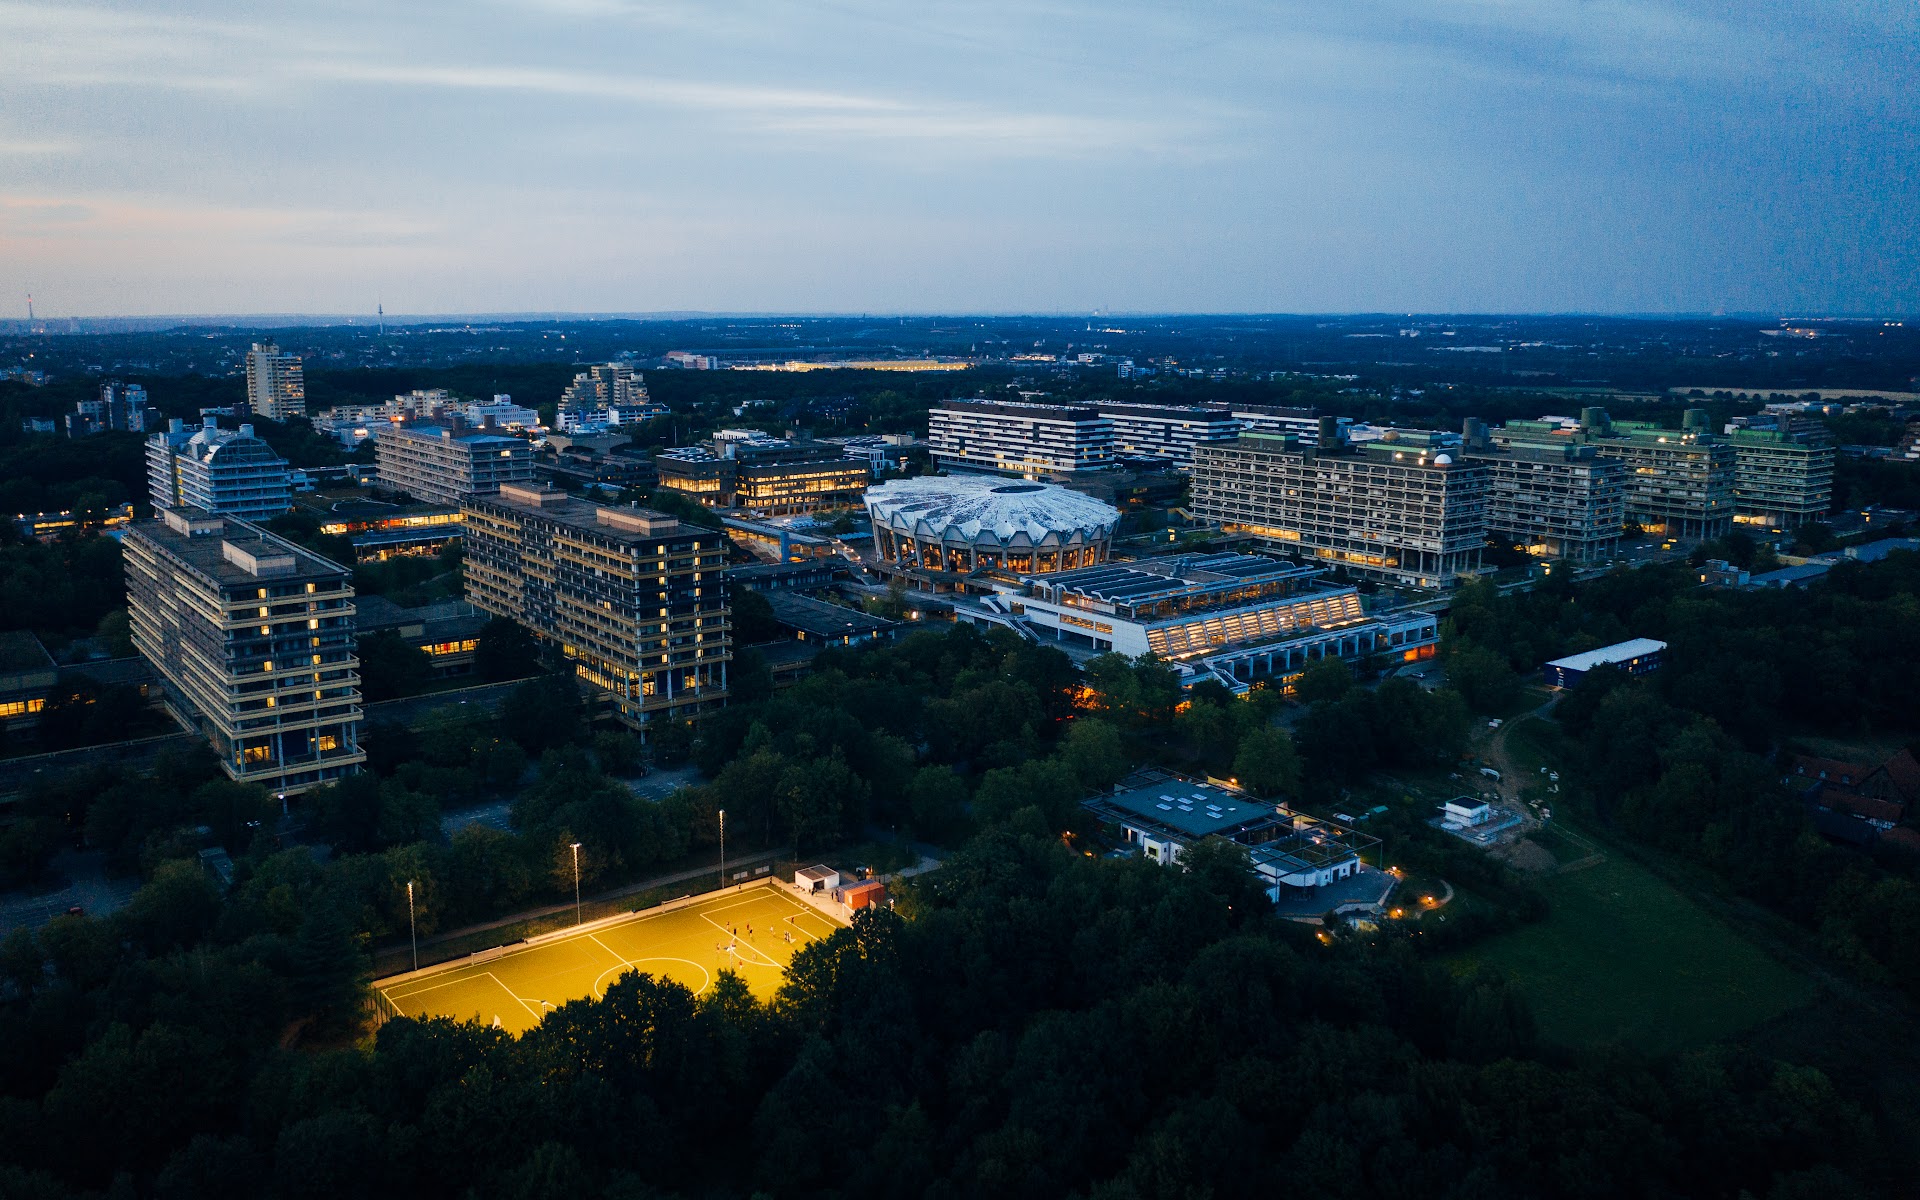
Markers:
<point>600,155</point>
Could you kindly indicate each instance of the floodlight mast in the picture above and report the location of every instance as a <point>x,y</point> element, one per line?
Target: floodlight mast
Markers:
<point>723,849</point>
<point>413,930</point>
<point>576,883</point>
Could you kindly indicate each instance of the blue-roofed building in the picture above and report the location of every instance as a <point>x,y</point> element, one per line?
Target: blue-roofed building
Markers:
<point>1799,576</point>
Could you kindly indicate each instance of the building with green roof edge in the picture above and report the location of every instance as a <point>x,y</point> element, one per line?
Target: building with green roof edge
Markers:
<point>1782,471</point>
<point>1679,481</point>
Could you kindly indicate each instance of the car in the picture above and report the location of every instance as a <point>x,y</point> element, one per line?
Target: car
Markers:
<point>1552,775</point>
<point>1494,724</point>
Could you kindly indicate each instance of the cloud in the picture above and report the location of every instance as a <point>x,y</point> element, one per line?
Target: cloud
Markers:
<point>854,153</point>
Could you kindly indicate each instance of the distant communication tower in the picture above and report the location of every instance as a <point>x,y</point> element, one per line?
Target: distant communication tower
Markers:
<point>381,310</point>
<point>29,307</point>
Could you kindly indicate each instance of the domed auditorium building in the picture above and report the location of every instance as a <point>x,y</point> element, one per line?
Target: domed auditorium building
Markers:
<point>961,524</point>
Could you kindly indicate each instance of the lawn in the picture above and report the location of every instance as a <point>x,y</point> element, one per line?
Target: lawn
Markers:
<point>753,932</point>
<point>1625,958</point>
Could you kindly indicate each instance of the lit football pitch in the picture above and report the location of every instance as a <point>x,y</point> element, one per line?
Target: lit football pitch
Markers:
<point>690,945</point>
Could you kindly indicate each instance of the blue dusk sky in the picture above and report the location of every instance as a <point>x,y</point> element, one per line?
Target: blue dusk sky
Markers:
<point>198,156</point>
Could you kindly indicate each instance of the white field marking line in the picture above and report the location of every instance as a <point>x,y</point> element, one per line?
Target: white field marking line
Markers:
<point>537,1014</point>
<point>794,921</point>
<point>599,993</point>
<point>751,902</point>
<point>735,950</point>
<point>595,939</point>
<point>397,995</point>
<point>636,919</point>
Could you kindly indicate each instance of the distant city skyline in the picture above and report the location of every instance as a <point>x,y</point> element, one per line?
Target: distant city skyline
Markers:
<point>604,156</point>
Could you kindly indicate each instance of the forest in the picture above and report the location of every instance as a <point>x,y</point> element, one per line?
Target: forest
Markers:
<point>1032,1022</point>
<point>1689,759</point>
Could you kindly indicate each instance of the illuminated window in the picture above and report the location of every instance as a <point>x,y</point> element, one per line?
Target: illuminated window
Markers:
<point>256,754</point>
<point>327,743</point>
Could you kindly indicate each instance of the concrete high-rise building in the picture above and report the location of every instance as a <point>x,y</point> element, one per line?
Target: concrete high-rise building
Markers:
<point>439,464</point>
<point>1004,438</point>
<point>276,383</point>
<point>1408,509</point>
<point>637,601</point>
<point>1782,470</point>
<point>1168,431</point>
<point>1303,423</point>
<point>253,639</point>
<point>120,406</point>
<point>1561,501</point>
<point>605,396</point>
<point>1679,481</point>
<point>220,470</point>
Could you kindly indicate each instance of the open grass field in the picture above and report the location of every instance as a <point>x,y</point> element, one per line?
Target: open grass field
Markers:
<point>690,945</point>
<point>1624,958</point>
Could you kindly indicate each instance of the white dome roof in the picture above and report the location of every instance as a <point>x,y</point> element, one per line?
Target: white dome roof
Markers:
<point>983,511</point>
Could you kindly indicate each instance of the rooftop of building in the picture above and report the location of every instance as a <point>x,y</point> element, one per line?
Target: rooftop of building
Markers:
<point>472,437</point>
<point>234,552</point>
<point>631,524</point>
<point>1873,551</point>
<point>786,653</point>
<point>1148,581</point>
<point>376,613</point>
<point>21,652</point>
<point>1170,411</point>
<point>1182,807</point>
<point>1784,576</point>
<point>1542,452</point>
<point>1618,652</point>
<point>1269,410</point>
<point>1402,447</point>
<point>970,505</point>
<point>751,574</point>
<point>820,619</point>
<point>1023,408</point>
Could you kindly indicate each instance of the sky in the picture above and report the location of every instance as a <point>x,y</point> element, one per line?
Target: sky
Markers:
<point>199,156</point>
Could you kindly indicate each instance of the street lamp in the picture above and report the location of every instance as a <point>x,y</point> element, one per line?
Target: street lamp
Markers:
<point>576,883</point>
<point>723,848</point>
<point>413,932</point>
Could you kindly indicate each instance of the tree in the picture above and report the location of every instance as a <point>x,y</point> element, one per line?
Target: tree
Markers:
<point>936,803</point>
<point>176,906</point>
<point>326,971</point>
<point>750,675</point>
<point>544,712</point>
<point>1094,750</point>
<point>617,753</point>
<point>753,619</point>
<point>392,667</point>
<point>1483,678</point>
<point>811,797</point>
<point>505,651</point>
<point>1327,679</point>
<point>1267,764</point>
